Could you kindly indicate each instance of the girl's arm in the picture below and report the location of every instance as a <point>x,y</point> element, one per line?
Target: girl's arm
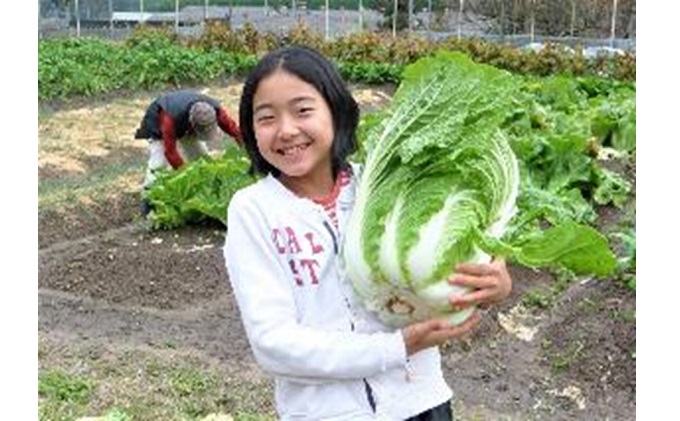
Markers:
<point>280,344</point>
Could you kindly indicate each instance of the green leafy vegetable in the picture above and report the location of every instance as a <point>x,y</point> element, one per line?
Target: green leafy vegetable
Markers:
<point>200,191</point>
<point>439,187</point>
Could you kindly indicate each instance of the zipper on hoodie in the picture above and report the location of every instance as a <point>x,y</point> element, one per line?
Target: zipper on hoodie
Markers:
<point>369,395</point>
<point>333,236</point>
<point>368,388</point>
<point>336,250</point>
<point>409,370</point>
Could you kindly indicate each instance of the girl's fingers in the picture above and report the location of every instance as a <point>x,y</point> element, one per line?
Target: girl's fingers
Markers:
<point>466,300</point>
<point>475,269</point>
<point>475,282</point>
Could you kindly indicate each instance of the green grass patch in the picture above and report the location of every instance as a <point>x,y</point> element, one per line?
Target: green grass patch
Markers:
<point>562,361</point>
<point>61,395</point>
<point>60,386</point>
<point>542,298</point>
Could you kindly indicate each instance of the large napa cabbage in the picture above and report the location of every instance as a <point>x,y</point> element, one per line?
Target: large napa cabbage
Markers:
<point>438,187</point>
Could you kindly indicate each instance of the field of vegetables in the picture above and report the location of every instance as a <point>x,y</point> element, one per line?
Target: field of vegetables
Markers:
<point>137,320</point>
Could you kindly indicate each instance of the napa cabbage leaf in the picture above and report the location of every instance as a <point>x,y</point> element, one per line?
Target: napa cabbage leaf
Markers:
<point>439,186</point>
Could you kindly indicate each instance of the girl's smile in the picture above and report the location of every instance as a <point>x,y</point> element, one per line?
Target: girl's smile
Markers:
<point>291,151</point>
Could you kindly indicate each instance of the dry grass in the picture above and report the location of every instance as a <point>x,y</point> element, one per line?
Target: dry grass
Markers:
<point>145,383</point>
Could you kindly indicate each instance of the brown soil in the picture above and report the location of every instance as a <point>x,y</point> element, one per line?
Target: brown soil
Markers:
<point>106,279</point>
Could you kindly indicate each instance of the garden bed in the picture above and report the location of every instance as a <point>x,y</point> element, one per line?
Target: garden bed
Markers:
<point>117,299</point>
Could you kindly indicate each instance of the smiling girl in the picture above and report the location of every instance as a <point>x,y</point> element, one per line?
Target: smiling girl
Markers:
<point>331,358</point>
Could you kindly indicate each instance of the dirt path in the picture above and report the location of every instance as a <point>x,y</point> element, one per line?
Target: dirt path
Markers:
<point>213,328</point>
<point>108,285</point>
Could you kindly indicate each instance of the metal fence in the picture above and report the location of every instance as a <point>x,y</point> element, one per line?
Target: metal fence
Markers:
<point>585,22</point>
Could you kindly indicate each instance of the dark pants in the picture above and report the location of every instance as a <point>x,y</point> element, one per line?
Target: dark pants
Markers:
<point>438,413</point>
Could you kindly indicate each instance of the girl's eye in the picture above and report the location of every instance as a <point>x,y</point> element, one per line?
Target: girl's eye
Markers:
<point>264,118</point>
<point>305,110</point>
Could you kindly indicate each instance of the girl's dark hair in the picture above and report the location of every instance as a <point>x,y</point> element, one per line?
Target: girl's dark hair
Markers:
<point>313,68</point>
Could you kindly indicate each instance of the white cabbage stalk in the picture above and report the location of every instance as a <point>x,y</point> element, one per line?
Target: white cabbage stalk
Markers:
<point>439,175</point>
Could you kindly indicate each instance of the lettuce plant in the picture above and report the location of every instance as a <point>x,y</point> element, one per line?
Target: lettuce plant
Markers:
<point>200,191</point>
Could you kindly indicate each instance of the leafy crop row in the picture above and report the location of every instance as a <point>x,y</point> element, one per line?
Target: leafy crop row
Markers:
<point>155,58</point>
<point>69,67</point>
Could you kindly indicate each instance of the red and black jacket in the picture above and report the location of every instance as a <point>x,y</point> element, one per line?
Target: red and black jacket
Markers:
<point>167,119</point>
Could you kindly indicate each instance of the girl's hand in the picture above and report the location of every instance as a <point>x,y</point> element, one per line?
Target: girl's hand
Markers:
<point>435,332</point>
<point>490,283</point>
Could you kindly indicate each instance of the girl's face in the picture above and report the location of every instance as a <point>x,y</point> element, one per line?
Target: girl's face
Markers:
<point>293,126</point>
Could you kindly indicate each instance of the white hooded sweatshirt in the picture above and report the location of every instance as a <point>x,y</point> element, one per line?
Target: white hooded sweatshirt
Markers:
<point>302,320</point>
